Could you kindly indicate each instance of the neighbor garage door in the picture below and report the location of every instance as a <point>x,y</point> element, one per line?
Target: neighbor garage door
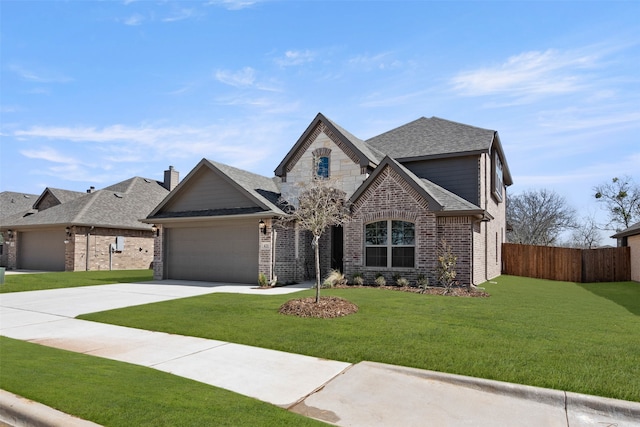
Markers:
<point>223,251</point>
<point>41,250</point>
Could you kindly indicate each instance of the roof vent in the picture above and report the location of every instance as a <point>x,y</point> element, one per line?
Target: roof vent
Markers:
<point>118,195</point>
<point>91,189</point>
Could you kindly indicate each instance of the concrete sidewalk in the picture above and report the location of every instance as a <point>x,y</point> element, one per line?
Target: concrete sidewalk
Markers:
<point>367,394</point>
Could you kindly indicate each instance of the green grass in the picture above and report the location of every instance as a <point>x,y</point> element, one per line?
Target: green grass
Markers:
<point>39,281</point>
<point>583,338</point>
<point>119,394</point>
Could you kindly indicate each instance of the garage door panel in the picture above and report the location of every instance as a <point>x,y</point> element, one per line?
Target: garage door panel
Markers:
<point>42,250</point>
<point>221,252</point>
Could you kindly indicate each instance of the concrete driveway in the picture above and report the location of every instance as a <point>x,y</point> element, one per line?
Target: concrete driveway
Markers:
<point>366,394</point>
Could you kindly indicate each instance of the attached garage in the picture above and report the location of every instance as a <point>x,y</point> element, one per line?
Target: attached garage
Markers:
<point>216,251</point>
<point>41,250</point>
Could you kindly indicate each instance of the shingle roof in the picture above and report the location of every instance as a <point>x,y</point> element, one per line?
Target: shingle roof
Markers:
<point>121,205</point>
<point>631,231</point>
<point>369,151</point>
<point>431,137</point>
<point>262,188</point>
<point>12,203</point>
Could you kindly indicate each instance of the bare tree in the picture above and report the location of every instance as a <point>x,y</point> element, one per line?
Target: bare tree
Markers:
<point>319,206</point>
<point>587,234</point>
<point>538,217</point>
<point>621,198</point>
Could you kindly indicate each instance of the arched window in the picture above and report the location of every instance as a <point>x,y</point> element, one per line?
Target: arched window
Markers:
<point>322,167</point>
<point>390,243</point>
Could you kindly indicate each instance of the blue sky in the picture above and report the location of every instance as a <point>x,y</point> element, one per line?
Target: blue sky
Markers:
<point>94,92</point>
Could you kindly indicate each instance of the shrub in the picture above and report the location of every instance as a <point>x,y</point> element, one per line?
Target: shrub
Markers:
<point>446,266</point>
<point>357,279</point>
<point>263,281</point>
<point>402,282</point>
<point>334,278</point>
<point>422,282</point>
<point>380,280</point>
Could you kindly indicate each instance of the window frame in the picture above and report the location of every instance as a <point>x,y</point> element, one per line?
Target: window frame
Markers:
<point>388,244</point>
<point>498,177</point>
<point>317,164</point>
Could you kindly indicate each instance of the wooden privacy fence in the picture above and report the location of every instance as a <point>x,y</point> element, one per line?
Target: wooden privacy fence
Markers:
<point>566,264</point>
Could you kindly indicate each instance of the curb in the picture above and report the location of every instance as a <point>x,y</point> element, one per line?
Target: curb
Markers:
<point>614,408</point>
<point>18,411</point>
<point>573,403</point>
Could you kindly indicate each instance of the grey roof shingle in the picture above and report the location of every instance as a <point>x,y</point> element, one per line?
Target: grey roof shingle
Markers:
<point>12,203</point>
<point>431,137</point>
<point>369,151</point>
<point>631,231</point>
<point>121,205</point>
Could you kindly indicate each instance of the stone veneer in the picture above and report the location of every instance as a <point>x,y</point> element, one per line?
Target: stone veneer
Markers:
<point>345,172</point>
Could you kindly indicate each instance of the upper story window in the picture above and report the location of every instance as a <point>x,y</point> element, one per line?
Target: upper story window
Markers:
<point>390,243</point>
<point>321,163</point>
<point>322,167</point>
<point>498,181</point>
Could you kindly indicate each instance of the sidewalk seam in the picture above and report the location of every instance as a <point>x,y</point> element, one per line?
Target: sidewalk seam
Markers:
<point>320,387</point>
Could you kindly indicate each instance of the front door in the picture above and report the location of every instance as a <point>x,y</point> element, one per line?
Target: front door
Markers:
<point>337,248</point>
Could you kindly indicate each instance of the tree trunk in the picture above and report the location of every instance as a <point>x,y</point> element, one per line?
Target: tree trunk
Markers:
<point>316,244</point>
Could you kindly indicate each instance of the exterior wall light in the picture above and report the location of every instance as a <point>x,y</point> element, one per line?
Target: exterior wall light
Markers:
<point>10,234</point>
<point>262,226</point>
<point>155,230</point>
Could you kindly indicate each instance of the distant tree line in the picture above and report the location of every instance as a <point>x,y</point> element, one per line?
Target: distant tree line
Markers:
<point>541,217</point>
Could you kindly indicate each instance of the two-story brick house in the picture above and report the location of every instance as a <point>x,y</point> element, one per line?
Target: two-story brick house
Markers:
<point>409,188</point>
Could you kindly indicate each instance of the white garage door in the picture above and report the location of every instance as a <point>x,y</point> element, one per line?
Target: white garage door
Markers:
<point>41,250</point>
<point>225,251</point>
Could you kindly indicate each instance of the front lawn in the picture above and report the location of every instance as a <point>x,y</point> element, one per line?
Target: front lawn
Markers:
<point>71,279</point>
<point>567,336</point>
<point>120,394</point>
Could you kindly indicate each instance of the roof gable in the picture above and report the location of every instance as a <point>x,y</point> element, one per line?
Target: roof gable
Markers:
<point>55,196</point>
<point>440,201</point>
<point>352,146</point>
<point>212,189</point>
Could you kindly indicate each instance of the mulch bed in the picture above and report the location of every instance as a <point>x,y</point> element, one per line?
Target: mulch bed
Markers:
<point>331,307</point>
<point>327,308</point>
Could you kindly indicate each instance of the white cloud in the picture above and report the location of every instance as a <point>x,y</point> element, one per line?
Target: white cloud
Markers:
<point>241,78</point>
<point>40,76</point>
<point>233,4</point>
<point>380,61</point>
<point>241,143</point>
<point>133,20</point>
<point>296,57</point>
<point>528,74</point>
<point>180,15</point>
<point>48,154</point>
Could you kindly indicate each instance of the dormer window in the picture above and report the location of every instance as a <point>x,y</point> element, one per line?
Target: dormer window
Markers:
<point>321,163</point>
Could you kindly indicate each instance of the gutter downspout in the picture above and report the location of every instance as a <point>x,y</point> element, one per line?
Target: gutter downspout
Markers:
<point>87,253</point>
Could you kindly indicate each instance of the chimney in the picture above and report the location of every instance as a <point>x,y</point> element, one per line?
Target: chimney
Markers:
<point>171,178</point>
<point>91,189</point>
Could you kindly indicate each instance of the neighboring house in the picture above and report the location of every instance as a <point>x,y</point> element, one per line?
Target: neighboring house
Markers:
<point>409,188</point>
<point>98,230</point>
<point>12,203</point>
<point>631,238</point>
